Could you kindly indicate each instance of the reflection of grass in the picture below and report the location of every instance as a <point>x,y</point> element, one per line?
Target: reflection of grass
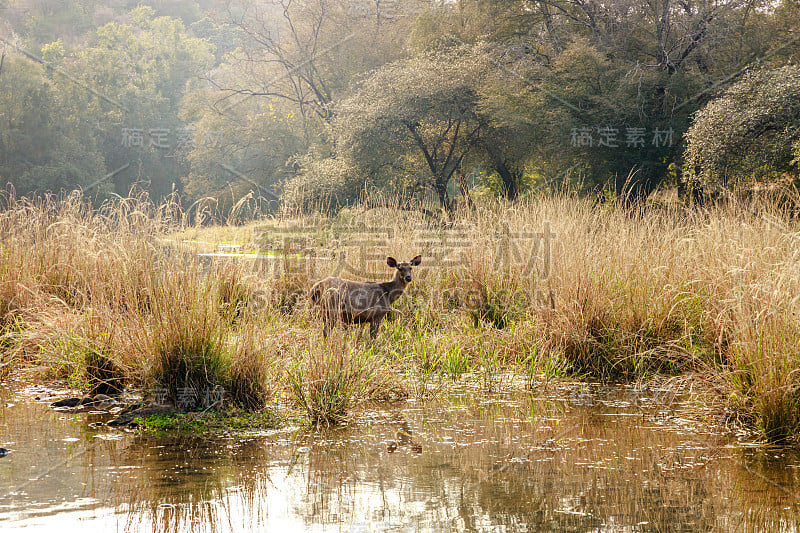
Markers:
<point>617,293</point>
<point>522,460</point>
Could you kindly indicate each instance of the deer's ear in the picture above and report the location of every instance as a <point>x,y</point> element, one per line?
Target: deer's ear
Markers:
<point>391,262</point>
<point>416,261</point>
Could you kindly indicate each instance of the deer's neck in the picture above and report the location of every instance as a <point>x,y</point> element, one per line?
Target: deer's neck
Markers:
<point>395,287</point>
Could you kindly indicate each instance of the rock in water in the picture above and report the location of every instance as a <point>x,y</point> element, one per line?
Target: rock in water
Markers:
<point>68,402</point>
<point>103,399</point>
<point>127,415</point>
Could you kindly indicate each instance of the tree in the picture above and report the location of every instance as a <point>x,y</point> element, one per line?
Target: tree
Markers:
<point>135,75</point>
<point>45,146</point>
<point>323,183</point>
<point>751,131</point>
<point>414,113</point>
<point>270,103</point>
<point>303,51</point>
<point>250,148</point>
<point>511,106</point>
<point>619,68</point>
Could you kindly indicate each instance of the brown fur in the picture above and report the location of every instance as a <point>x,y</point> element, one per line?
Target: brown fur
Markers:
<point>360,302</point>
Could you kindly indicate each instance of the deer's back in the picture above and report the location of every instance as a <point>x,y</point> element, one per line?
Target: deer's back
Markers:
<point>353,301</point>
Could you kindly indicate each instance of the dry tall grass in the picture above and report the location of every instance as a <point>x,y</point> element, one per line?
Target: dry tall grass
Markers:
<point>618,293</point>
<point>614,292</point>
<point>98,297</point>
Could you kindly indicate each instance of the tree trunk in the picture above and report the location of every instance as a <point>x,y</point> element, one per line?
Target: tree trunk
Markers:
<point>444,198</point>
<point>510,180</point>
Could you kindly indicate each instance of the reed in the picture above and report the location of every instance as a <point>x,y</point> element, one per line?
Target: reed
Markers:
<point>549,285</point>
<point>327,380</point>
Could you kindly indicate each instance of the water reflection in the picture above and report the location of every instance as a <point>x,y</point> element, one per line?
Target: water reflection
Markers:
<point>584,459</point>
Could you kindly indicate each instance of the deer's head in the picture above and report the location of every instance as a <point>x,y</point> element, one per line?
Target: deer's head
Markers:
<point>404,269</point>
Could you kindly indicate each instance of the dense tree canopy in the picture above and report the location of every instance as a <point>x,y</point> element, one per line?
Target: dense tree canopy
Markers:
<point>44,142</point>
<point>751,131</point>
<point>103,115</point>
<point>317,101</point>
<point>414,118</point>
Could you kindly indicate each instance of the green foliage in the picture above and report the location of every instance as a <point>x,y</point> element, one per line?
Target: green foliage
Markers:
<point>319,102</point>
<point>248,148</point>
<point>44,142</point>
<point>65,119</point>
<point>752,131</point>
<point>586,90</point>
<point>410,125</point>
<point>138,73</point>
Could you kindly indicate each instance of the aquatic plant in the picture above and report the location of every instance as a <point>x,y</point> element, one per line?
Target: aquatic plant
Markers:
<point>327,379</point>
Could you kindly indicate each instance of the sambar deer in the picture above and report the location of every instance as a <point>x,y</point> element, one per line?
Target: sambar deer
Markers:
<point>359,302</point>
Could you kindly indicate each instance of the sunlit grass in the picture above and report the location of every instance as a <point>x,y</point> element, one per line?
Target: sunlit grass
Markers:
<point>613,293</point>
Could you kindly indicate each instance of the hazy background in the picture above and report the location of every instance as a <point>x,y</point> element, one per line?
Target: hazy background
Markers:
<point>314,102</point>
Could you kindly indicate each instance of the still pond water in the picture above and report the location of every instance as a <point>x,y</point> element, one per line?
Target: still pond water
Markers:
<point>580,457</point>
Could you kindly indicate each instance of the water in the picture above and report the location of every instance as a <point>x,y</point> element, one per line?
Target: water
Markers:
<point>575,458</point>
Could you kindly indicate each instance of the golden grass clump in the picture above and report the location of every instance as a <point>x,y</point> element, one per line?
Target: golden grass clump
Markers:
<point>328,380</point>
<point>98,297</point>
